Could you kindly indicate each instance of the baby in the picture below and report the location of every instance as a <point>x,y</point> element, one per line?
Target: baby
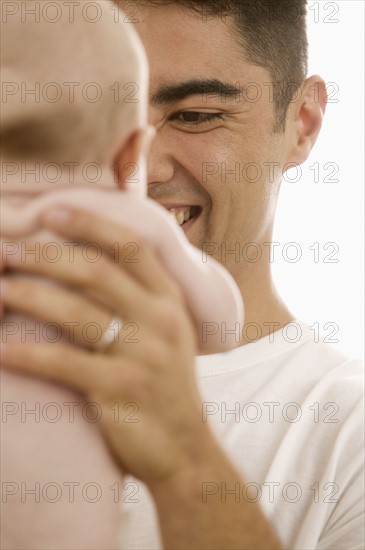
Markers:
<point>60,485</point>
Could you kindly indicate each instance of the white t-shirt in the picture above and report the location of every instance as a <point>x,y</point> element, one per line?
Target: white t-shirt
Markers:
<point>288,411</point>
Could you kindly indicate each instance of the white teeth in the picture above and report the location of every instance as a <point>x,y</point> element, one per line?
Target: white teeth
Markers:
<point>180,217</point>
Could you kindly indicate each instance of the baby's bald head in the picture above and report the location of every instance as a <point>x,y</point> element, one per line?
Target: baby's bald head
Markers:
<point>83,74</point>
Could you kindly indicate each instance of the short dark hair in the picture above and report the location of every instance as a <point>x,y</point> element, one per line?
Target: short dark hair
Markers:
<point>273,34</point>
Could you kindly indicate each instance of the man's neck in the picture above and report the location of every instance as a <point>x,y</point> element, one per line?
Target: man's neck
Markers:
<point>265,311</point>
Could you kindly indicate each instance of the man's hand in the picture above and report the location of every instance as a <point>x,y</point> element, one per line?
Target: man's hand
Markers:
<point>147,371</point>
<point>169,447</point>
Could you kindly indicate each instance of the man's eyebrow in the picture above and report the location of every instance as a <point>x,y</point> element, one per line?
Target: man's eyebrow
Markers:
<point>177,92</point>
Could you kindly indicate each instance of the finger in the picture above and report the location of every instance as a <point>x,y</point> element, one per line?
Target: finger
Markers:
<point>121,243</point>
<point>72,367</point>
<point>57,362</point>
<point>83,320</point>
<point>80,320</point>
<point>111,286</point>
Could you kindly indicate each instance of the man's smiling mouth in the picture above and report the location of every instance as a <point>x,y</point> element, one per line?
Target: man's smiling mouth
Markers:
<point>183,214</point>
<point>184,204</point>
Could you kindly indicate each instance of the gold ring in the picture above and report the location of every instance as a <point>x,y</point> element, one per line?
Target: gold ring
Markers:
<point>110,335</point>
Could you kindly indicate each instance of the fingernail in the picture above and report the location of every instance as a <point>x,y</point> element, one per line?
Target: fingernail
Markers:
<point>59,216</point>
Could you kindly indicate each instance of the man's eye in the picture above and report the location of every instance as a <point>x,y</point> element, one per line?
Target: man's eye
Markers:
<point>194,118</point>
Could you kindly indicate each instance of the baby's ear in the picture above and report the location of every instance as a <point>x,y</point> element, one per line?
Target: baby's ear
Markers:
<point>130,165</point>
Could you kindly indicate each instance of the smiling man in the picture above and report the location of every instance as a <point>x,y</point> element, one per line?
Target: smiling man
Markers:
<point>233,108</point>
<point>259,447</point>
<point>221,84</point>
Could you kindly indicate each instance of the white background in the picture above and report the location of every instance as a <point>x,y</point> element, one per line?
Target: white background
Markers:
<point>329,211</point>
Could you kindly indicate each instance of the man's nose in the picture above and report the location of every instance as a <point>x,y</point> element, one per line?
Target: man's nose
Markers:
<point>160,163</point>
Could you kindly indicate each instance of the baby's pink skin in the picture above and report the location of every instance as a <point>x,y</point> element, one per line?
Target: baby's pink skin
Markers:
<point>47,452</point>
<point>63,456</point>
<point>211,294</point>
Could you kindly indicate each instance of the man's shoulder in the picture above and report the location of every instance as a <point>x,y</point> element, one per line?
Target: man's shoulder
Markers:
<point>297,346</point>
<point>328,368</point>
<point>294,365</point>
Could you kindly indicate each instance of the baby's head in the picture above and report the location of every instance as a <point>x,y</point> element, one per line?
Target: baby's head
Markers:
<point>74,92</point>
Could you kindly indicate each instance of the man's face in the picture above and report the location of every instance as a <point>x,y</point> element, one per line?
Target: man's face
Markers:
<point>214,151</point>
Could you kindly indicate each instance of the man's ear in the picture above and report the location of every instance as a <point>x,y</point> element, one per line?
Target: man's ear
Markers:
<point>131,158</point>
<point>306,119</point>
